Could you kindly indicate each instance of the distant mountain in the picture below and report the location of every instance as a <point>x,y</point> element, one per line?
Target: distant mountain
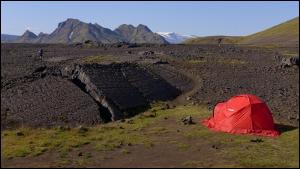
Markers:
<point>42,37</point>
<point>139,34</point>
<point>28,37</point>
<point>74,30</point>
<point>284,34</point>
<point>8,38</point>
<point>175,38</point>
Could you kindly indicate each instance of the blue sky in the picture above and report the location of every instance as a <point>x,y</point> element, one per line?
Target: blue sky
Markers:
<point>191,18</point>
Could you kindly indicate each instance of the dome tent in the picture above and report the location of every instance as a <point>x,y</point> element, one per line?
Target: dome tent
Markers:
<point>242,114</point>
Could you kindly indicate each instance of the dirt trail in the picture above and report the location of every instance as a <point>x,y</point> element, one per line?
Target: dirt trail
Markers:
<point>56,59</point>
<point>196,83</point>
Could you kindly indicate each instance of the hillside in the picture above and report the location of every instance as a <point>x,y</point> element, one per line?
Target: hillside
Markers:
<point>28,37</point>
<point>285,34</point>
<point>213,40</point>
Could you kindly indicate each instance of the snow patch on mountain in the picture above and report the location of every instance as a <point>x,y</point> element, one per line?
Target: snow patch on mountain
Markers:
<point>70,36</point>
<point>175,38</point>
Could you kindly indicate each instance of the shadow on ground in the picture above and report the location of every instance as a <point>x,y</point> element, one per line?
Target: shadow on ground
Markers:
<point>284,128</point>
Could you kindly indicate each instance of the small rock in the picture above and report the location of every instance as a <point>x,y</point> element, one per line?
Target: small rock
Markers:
<point>19,133</point>
<point>171,106</point>
<point>187,120</point>
<point>82,129</point>
<point>149,114</point>
<point>130,121</point>
<point>60,128</point>
<point>167,106</point>
<point>153,110</point>
<point>121,143</point>
<point>290,117</point>
<point>43,74</point>
<point>148,53</point>
<point>258,140</point>
<point>40,69</point>
<point>63,128</point>
<point>215,147</point>
<point>188,98</point>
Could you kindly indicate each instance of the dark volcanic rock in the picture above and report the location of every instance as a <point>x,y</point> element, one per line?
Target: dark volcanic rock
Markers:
<point>120,87</point>
<point>221,76</point>
<point>47,102</point>
<point>288,62</point>
<point>187,120</point>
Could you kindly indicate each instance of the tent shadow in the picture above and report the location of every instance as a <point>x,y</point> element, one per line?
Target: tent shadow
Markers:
<point>284,128</point>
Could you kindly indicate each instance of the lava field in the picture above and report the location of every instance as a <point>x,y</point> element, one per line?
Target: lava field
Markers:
<point>70,88</point>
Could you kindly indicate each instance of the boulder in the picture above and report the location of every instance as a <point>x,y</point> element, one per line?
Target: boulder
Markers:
<point>288,62</point>
<point>146,53</point>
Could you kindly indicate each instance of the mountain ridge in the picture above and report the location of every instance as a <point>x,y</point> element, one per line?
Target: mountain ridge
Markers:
<point>74,31</point>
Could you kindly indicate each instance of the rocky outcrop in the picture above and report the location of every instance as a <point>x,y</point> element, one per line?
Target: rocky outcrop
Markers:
<point>49,101</point>
<point>288,62</point>
<point>75,94</point>
<point>120,87</point>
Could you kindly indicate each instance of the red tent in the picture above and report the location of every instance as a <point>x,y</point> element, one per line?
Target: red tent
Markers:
<point>242,114</point>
